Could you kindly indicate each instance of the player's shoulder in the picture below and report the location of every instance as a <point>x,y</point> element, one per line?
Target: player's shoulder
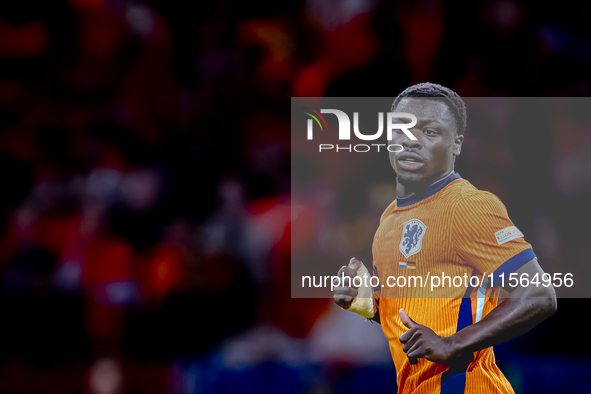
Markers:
<point>469,198</point>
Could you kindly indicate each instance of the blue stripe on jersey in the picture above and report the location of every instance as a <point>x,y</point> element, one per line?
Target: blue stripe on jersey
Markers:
<point>512,264</point>
<point>377,275</point>
<point>465,314</point>
<point>453,381</point>
<point>454,384</point>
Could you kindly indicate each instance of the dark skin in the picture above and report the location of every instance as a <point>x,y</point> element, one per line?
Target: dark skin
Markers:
<point>344,295</point>
<point>433,153</point>
<point>431,157</point>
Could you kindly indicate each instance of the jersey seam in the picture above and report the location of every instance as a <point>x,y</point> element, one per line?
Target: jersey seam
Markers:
<point>453,222</point>
<point>465,195</point>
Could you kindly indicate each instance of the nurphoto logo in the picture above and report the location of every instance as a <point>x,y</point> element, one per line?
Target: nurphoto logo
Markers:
<point>392,123</point>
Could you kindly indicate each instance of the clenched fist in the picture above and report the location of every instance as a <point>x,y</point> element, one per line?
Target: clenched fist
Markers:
<point>350,298</point>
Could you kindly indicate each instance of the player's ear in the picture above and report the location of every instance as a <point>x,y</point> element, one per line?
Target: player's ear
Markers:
<point>458,140</point>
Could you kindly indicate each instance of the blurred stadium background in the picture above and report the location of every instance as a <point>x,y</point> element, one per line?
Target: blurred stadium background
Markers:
<point>145,169</point>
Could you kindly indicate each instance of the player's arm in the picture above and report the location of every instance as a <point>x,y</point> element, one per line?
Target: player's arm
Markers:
<point>355,299</point>
<point>524,309</point>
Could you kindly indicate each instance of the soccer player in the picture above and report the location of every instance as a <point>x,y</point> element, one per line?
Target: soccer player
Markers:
<point>441,225</point>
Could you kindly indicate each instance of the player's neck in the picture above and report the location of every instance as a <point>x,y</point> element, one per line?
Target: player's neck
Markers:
<point>405,189</point>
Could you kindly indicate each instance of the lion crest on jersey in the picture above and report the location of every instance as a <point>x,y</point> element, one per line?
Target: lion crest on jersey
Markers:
<point>412,237</point>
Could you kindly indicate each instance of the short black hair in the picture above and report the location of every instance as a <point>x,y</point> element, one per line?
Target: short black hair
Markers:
<point>451,98</point>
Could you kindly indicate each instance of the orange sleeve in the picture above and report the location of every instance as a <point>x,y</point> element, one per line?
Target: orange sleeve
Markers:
<point>485,238</point>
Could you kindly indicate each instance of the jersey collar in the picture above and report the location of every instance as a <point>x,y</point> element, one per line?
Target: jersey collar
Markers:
<point>433,188</point>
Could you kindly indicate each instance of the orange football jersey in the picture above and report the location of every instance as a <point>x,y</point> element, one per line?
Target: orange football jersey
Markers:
<point>455,231</point>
